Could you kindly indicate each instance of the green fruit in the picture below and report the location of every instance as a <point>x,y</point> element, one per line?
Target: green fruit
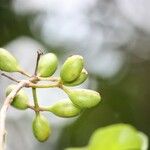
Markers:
<point>20,101</point>
<point>8,62</point>
<point>41,128</point>
<point>116,137</point>
<point>72,68</point>
<point>83,98</point>
<point>47,65</point>
<point>65,109</point>
<point>83,76</point>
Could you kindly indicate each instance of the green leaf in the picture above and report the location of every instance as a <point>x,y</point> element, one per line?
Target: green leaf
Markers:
<point>144,139</point>
<point>116,137</point>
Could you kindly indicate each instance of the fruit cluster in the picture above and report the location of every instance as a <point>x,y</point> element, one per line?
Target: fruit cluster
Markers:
<point>72,73</point>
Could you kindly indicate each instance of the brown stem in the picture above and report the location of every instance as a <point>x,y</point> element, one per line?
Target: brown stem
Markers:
<point>3,111</point>
<point>39,53</point>
<point>11,78</point>
<point>24,73</point>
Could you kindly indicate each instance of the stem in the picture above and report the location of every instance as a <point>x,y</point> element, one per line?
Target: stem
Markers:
<point>64,88</point>
<point>41,108</point>
<point>43,85</point>
<point>3,111</point>
<point>31,107</point>
<point>9,77</point>
<point>48,108</point>
<point>39,53</point>
<point>35,98</point>
<point>53,79</point>
<point>24,73</point>
<point>31,82</point>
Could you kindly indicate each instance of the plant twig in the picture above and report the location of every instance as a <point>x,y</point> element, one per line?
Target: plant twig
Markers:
<point>31,82</point>
<point>43,108</point>
<point>4,108</point>
<point>43,85</point>
<point>9,77</point>
<point>53,79</point>
<point>39,53</point>
<point>24,73</point>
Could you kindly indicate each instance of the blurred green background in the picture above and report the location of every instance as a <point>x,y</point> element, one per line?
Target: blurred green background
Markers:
<point>114,38</point>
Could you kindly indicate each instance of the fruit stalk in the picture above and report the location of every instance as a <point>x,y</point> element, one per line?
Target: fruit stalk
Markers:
<point>4,108</point>
<point>36,105</point>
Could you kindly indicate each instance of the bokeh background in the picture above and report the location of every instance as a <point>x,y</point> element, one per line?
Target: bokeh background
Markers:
<point>113,36</point>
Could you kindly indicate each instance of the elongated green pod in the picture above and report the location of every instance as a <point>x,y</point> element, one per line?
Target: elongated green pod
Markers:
<point>41,128</point>
<point>47,65</point>
<point>8,62</point>
<point>83,98</point>
<point>65,109</point>
<point>20,101</point>
<point>83,76</point>
<point>72,68</point>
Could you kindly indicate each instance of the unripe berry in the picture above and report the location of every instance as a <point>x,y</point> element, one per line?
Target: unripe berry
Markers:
<point>8,62</point>
<point>83,98</point>
<point>47,65</point>
<point>72,68</point>
<point>41,128</point>
<point>65,109</point>
<point>83,76</point>
<point>20,101</point>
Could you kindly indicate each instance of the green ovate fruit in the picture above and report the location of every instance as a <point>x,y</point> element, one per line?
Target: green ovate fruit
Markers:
<point>83,98</point>
<point>72,68</point>
<point>116,137</point>
<point>47,65</point>
<point>65,109</point>
<point>83,76</point>
<point>8,62</point>
<point>41,128</point>
<point>20,101</point>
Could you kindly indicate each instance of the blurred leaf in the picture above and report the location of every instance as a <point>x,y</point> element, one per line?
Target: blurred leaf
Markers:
<point>117,137</point>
